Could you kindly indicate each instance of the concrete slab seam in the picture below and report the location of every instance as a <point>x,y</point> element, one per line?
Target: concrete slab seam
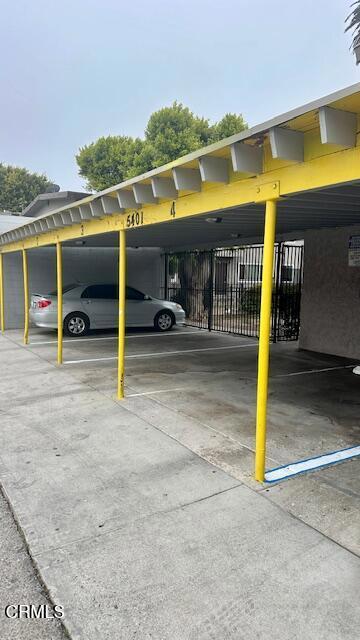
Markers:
<point>19,518</point>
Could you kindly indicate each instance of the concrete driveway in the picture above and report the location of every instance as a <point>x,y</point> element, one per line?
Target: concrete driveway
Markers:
<point>200,389</point>
<point>132,528</point>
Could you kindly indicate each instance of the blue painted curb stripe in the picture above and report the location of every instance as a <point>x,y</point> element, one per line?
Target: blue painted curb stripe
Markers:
<point>310,464</point>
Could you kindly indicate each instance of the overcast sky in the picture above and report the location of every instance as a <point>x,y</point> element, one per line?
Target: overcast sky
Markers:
<point>74,70</point>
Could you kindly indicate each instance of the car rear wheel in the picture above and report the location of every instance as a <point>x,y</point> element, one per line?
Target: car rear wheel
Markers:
<point>164,321</point>
<point>76,324</point>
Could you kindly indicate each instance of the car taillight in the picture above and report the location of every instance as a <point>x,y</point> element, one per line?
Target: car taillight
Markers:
<point>43,303</point>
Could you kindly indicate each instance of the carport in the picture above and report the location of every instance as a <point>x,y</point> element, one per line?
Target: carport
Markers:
<point>297,172</point>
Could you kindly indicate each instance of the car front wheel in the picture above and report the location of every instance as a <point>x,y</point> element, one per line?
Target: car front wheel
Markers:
<point>164,321</point>
<point>76,324</point>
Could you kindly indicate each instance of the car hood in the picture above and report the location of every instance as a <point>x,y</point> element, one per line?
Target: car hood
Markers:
<point>167,303</point>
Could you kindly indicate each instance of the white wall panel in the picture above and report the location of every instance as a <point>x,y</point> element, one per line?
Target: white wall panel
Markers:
<point>80,264</point>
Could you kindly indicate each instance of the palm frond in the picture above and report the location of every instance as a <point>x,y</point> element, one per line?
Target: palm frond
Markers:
<point>353,24</point>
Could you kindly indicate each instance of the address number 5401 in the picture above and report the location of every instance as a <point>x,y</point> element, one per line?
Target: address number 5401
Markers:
<point>135,219</point>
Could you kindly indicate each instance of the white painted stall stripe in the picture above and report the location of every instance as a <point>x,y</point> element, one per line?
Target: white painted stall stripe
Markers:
<point>172,353</point>
<point>74,340</point>
<point>303,373</point>
<point>169,334</point>
<point>295,468</point>
<point>164,353</point>
<point>143,335</point>
<point>149,393</point>
<point>90,360</point>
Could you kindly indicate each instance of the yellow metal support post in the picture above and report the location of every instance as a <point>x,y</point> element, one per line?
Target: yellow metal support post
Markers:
<point>264,341</point>
<point>122,299</point>
<point>2,301</point>
<point>26,296</point>
<point>59,303</point>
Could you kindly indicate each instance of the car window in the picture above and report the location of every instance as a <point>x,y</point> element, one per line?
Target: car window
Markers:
<point>134,294</point>
<point>101,291</point>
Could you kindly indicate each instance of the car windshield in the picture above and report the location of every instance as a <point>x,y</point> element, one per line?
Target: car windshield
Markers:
<point>66,288</point>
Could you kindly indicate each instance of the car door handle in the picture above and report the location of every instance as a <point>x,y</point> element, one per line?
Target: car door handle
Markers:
<point>87,301</point>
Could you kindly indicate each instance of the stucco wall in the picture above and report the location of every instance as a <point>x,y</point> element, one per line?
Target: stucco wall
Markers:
<point>79,265</point>
<point>330,305</point>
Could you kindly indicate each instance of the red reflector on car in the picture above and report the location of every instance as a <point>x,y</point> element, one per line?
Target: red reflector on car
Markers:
<point>43,303</point>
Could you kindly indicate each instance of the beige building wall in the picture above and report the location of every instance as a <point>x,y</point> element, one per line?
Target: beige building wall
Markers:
<point>330,305</point>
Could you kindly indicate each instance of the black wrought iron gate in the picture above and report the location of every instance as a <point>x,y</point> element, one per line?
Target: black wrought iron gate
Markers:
<point>220,289</point>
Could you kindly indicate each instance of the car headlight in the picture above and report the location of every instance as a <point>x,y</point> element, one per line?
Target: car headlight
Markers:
<point>178,306</point>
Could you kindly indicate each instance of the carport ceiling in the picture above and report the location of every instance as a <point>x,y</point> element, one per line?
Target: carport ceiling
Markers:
<point>335,207</point>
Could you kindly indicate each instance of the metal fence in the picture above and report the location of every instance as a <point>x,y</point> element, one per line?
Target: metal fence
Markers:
<point>220,289</point>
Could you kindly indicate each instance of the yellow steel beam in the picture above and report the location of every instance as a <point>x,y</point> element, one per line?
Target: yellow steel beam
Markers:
<point>315,173</point>
<point>84,229</point>
<point>264,340</point>
<point>122,310</point>
<point>59,303</point>
<point>26,296</point>
<point>2,295</point>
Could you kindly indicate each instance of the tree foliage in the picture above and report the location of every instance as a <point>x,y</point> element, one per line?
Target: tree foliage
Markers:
<point>175,131</point>
<point>108,160</point>
<point>230,124</point>
<point>353,25</point>
<point>18,187</point>
<point>171,132</point>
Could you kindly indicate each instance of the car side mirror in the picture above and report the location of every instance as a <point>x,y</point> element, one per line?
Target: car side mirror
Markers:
<point>147,297</point>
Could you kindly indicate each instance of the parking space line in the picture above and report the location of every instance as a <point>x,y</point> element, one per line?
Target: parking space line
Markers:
<point>164,353</point>
<point>144,335</point>
<point>311,464</point>
<point>169,334</point>
<point>303,373</point>
<point>73,340</point>
<point>172,353</point>
<point>149,393</point>
<point>90,360</point>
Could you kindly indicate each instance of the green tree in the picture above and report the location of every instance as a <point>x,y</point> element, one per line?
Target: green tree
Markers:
<point>175,131</point>
<point>18,187</point>
<point>230,124</point>
<point>108,161</point>
<point>171,132</point>
<point>143,161</point>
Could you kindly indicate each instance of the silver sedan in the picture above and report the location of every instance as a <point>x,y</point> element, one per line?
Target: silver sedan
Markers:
<point>95,306</point>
